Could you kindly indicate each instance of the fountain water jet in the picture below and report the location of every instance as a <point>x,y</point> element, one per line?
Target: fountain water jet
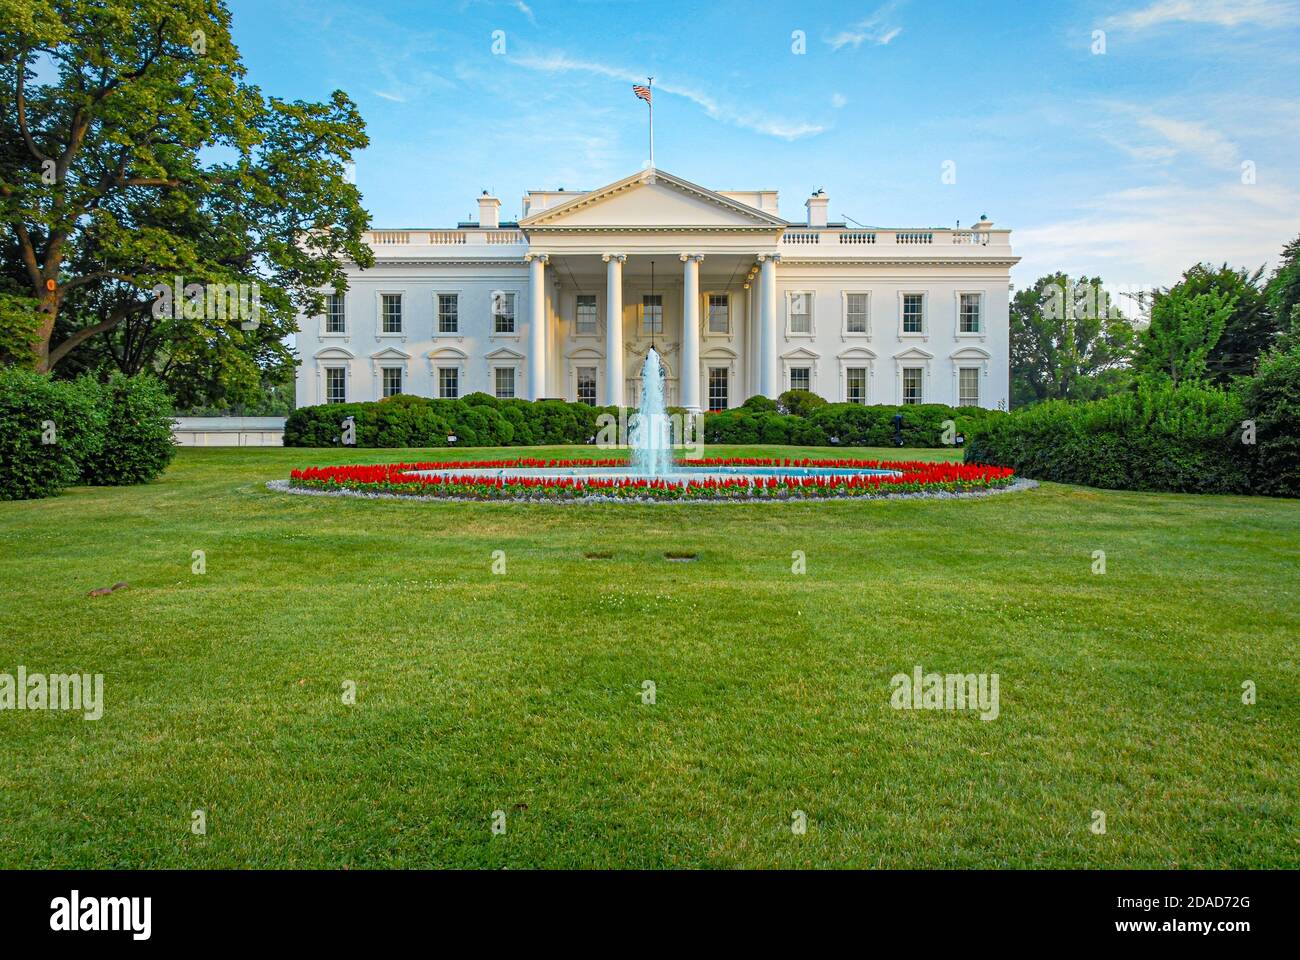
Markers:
<point>650,434</point>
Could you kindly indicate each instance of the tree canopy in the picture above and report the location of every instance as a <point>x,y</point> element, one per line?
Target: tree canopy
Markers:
<point>135,156</point>
<point>1068,341</point>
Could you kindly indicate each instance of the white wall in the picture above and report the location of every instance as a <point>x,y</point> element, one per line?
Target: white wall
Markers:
<point>885,285</point>
<point>418,286</point>
<point>829,343</point>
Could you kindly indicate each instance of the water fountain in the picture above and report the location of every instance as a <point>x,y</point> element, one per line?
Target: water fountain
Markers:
<point>650,432</point>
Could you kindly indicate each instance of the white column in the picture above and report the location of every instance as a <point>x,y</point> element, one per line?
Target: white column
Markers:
<point>614,329</point>
<point>536,325</point>
<point>769,378</point>
<point>690,373</point>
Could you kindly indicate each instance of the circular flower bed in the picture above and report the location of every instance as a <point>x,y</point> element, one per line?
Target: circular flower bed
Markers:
<point>453,480</point>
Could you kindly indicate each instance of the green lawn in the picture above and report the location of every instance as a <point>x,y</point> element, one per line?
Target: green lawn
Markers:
<point>522,692</point>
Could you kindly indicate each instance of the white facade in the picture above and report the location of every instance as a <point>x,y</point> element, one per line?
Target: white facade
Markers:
<point>737,300</point>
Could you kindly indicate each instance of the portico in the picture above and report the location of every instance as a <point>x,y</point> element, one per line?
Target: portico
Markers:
<point>686,304</point>
<point>683,252</point>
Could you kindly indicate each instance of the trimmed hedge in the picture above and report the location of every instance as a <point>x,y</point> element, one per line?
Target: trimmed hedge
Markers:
<point>842,424</point>
<point>1272,399</point>
<point>138,443</point>
<point>799,402</point>
<point>59,432</point>
<point>475,420</point>
<point>50,427</point>
<point>1157,437</point>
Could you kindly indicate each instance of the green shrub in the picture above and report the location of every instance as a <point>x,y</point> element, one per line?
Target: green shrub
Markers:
<point>475,420</point>
<point>48,429</point>
<point>1157,437</point>
<point>1272,399</point>
<point>759,403</point>
<point>737,426</point>
<point>138,443</point>
<point>800,403</point>
<point>845,424</point>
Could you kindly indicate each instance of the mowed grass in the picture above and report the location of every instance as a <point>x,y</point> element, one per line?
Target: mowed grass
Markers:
<point>522,692</point>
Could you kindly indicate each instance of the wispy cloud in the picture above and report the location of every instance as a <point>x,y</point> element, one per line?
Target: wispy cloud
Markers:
<point>1148,236</point>
<point>518,5</point>
<point>838,100</point>
<point>878,30</point>
<point>745,119</point>
<point>1197,139</point>
<point>1222,13</point>
<point>526,10</point>
<point>1159,138</point>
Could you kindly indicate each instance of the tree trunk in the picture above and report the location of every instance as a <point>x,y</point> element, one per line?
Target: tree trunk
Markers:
<point>48,312</point>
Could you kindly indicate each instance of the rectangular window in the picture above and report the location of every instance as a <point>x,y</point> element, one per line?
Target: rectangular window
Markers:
<point>336,385</point>
<point>586,313</point>
<point>503,313</point>
<point>912,384</point>
<point>449,383</point>
<point>970,313</point>
<point>801,312</point>
<point>652,313</point>
<point>391,312</point>
<point>719,313</point>
<point>855,384</point>
<point>448,313</point>
<point>800,378</point>
<point>968,387</point>
<point>913,313</point>
<point>855,312</point>
<point>505,382</point>
<point>719,381</point>
<point>335,319</point>
<point>587,385</point>
<point>392,381</point>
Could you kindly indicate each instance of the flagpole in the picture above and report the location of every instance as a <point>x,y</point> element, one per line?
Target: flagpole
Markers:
<point>651,103</point>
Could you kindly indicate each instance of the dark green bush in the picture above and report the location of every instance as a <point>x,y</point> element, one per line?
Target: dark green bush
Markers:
<point>1157,437</point>
<point>138,442</point>
<point>48,429</point>
<point>846,424</point>
<point>799,402</point>
<point>1272,399</point>
<point>476,420</point>
<point>759,403</point>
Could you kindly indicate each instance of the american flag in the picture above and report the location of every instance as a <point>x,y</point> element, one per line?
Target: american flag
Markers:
<point>642,91</point>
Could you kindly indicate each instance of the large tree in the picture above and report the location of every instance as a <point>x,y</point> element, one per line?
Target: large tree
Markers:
<point>1283,293</point>
<point>1250,329</point>
<point>134,156</point>
<point>1068,341</point>
<point>1187,321</point>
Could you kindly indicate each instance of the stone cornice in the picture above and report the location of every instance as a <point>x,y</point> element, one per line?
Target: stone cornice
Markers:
<point>667,228</point>
<point>900,262</point>
<point>441,262</point>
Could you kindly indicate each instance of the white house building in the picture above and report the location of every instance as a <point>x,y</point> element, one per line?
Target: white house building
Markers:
<point>566,302</point>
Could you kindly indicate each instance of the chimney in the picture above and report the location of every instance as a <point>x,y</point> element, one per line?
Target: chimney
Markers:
<point>489,212</point>
<point>817,205</point>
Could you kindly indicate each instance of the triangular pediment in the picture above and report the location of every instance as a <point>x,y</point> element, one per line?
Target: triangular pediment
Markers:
<point>651,198</point>
<point>913,353</point>
<point>801,353</point>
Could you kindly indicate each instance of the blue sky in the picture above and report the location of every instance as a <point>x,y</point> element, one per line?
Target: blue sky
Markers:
<point>1127,162</point>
